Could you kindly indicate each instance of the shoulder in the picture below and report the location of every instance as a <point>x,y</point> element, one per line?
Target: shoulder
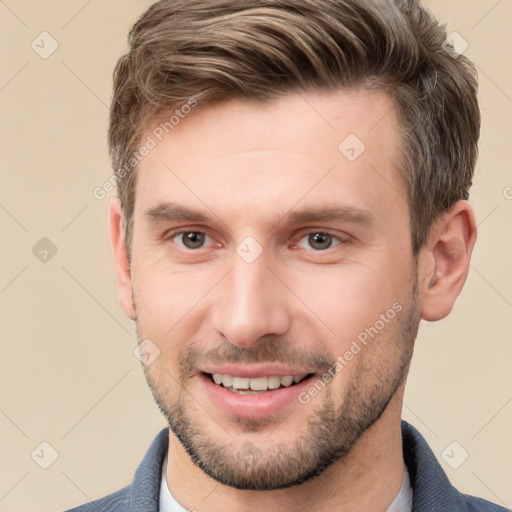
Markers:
<point>475,504</point>
<point>118,501</point>
<point>142,494</point>
<point>432,490</point>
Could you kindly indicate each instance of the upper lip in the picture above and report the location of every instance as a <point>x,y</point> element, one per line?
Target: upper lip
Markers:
<point>254,371</point>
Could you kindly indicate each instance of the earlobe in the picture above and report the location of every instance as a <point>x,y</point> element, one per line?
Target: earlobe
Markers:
<point>449,247</point>
<point>121,260</point>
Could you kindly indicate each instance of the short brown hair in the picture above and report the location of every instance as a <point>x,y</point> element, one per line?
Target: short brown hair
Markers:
<point>211,51</point>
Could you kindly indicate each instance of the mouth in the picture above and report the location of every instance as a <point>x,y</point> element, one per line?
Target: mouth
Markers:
<point>254,391</point>
<point>255,385</point>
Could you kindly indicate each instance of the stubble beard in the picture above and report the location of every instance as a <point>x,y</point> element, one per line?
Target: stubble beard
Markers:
<point>331,431</point>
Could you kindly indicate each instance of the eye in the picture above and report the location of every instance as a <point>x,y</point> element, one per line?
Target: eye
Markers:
<point>319,241</point>
<point>190,239</point>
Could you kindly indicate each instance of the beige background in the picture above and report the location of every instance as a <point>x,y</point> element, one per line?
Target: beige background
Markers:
<point>68,373</point>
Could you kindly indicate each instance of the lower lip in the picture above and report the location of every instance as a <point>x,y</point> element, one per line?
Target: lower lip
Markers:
<point>257,405</point>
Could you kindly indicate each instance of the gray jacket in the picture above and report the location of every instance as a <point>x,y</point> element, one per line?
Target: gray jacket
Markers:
<point>432,489</point>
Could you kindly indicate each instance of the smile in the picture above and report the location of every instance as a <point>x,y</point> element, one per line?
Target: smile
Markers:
<point>247,385</point>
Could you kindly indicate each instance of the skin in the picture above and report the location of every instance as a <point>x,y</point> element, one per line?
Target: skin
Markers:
<point>248,167</point>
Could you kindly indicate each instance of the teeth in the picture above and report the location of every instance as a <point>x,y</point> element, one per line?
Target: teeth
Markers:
<point>255,384</point>
<point>227,380</point>
<point>241,383</point>
<point>286,381</point>
<point>259,384</point>
<point>273,382</point>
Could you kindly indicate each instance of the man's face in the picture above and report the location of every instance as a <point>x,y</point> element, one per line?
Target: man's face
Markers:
<point>264,252</point>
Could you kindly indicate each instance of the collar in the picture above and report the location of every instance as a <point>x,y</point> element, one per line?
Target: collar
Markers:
<point>432,489</point>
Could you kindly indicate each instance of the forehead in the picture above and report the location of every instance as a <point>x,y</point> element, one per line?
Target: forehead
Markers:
<point>307,147</point>
<point>249,122</point>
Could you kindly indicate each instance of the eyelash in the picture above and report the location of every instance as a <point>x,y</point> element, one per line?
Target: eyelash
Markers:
<point>334,238</point>
<point>340,241</point>
<point>173,235</point>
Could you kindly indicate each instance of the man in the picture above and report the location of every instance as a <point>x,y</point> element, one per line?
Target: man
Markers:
<point>292,180</point>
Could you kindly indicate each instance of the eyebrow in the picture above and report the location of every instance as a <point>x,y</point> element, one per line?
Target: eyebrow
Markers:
<point>175,212</point>
<point>331,213</point>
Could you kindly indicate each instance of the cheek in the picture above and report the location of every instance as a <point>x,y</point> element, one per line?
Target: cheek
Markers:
<point>171,306</point>
<point>163,292</point>
<point>349,299</point>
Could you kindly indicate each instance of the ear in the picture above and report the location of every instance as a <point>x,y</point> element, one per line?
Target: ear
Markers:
<point>448,255</point>
<point>121,260</point>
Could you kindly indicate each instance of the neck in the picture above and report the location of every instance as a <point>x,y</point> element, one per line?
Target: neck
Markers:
<point>368,478</point>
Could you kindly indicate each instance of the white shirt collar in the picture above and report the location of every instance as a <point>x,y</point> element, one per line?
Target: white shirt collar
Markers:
<point>403,500</point>
<point>167,502</point>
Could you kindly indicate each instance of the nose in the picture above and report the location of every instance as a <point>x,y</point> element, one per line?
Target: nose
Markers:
<point>251,303</point>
